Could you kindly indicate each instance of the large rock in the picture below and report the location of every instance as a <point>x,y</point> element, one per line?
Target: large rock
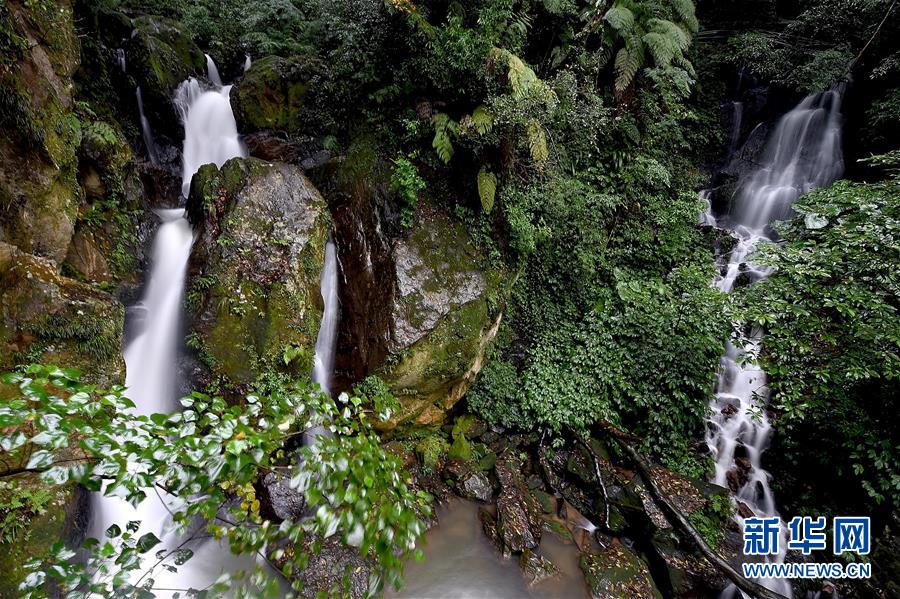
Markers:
<point>618,573</point>
<point>255,267</point>
<point>54,319</point>
<point>39,133</point>
<point>442,320</point>
<point>272,92</point>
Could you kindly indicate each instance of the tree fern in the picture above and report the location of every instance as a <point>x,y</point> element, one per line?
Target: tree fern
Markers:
<point>663,28</point>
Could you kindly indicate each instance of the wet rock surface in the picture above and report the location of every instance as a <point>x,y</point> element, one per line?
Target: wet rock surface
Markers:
<point>272,93</point>
<point>618,573</point>
<point>255,267</point>
<point>51,318</point>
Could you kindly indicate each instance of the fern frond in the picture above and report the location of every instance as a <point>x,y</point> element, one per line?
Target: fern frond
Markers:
<point>537,143</point>
<point>629,61</point>
<point>676,34</point>
<point>686,13</point>
<point>487,188</point>
<point>442,143</point>
<point>620,18</point>
<point>482,119</point>
<point>684,63</point>
<point>661,48</point>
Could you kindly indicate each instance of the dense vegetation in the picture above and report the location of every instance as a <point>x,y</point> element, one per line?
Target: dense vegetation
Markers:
<point>570,140</point>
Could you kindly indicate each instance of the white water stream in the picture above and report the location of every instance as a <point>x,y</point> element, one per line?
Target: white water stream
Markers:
<point>326,340</point>
<point>803,153</point>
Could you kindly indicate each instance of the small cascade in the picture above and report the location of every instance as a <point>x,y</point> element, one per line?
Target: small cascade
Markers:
<point>212,73</point>
<point>120,58</point>
<point>247,63</point>
<point>326,341</point>
<point>210,132</point>
<point>803,153</point>
<point>152,152</point>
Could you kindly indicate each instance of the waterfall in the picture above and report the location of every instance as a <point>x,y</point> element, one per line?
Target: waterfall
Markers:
<point>803,153</point>
<point>326,341</point>
<point>212,73</point>
<point>120,58</point>
<point>247,63</point>
<point>151,357</point>
<point>152,153</point>
<point>210,132</point>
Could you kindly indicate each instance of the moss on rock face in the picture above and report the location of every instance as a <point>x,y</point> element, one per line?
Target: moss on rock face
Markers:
<point>256,265</point>
<point>160,56</point>
<point>45,317</point>
<point>39,133</point>
<point>443,319</point>
<point>33,516</point>
<point>271,93</point>
<point>618,573</point>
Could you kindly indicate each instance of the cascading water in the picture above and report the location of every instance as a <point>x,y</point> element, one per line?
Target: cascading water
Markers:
<point>326,341</point>
<point>803,153</point>
<point>212,72</point>
<point>210,136</point>
<point>210,131</point>
<point>247,63</point>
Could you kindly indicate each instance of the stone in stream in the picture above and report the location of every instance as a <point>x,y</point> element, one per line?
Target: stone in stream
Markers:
<point>476,486</point>
<point>617,572</point>
<point>254,287</point>
<point>278,501</point>
<point>519,519</point>
<point>536,568</point>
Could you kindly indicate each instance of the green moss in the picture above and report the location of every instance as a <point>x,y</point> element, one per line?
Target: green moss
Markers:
<point>32,518</point>
<point>431,449</point>
<point>618,573</point>
<point>271,94</point>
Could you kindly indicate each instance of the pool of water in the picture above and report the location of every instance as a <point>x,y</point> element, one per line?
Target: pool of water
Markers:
<point>460,563</point>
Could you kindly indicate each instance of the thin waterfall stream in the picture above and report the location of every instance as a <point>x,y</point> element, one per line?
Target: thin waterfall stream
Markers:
<point>803,153</point>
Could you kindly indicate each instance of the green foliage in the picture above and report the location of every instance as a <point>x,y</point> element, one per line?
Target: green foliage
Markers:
<point>431,449</point>
<point>832,344</point>
<point>18,506</point>
<point>408,184</point>
<point>662,29</point>
<point>713,518</point>
<point>487,189</point>
<point>208,456</point>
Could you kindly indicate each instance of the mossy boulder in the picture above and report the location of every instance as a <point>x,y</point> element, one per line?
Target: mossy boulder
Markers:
<point>254,287</point>
<point>39,133</point>
<point>45,317</point>
<point>444,316</point>
<point>159,56</point>
<point>34,516</point>
<point>618,573</point>
<point>272,92</point>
